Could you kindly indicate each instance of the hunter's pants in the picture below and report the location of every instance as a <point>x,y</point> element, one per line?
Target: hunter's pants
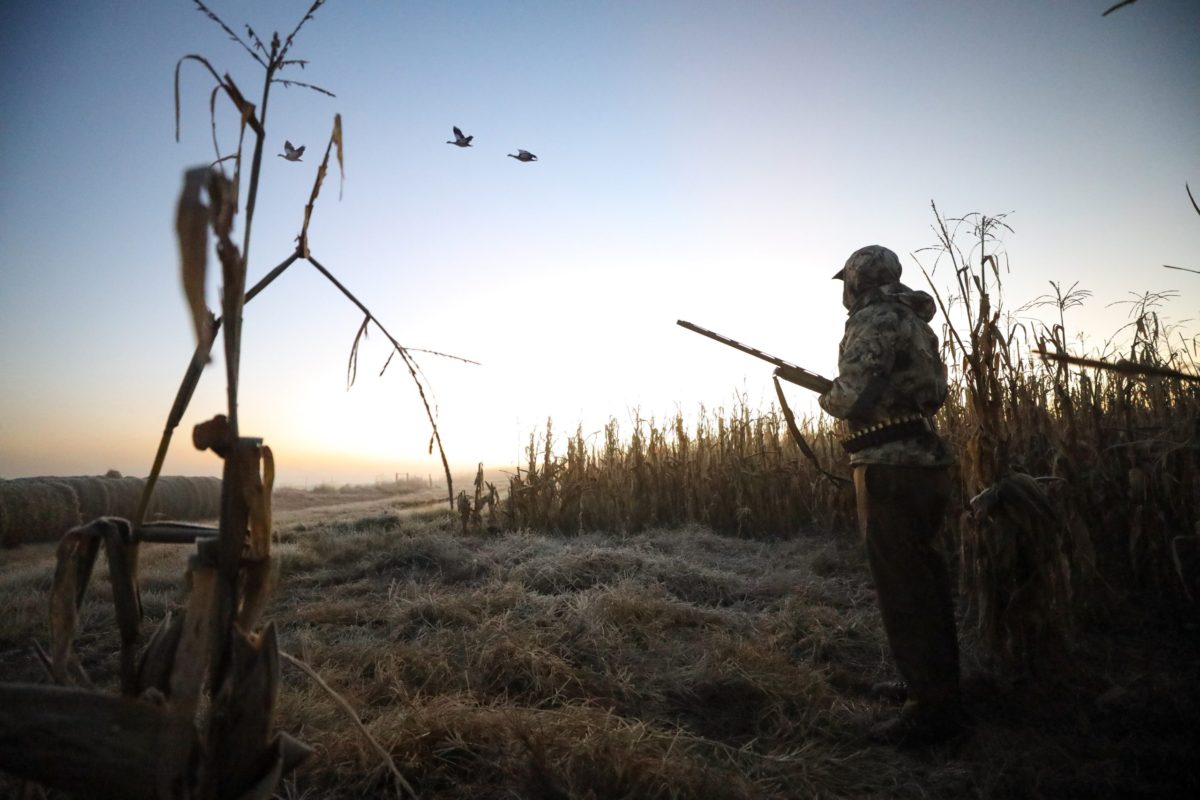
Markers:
<point>900,511</point>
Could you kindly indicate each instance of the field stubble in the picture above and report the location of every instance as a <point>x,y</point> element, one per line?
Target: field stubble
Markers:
<point>666,663</point>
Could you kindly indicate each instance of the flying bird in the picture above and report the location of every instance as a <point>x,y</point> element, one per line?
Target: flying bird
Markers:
<point>291,153</point>
<point>459,139</point>
<point>523,155</point>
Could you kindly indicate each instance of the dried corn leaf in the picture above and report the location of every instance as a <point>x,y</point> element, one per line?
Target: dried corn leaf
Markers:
<point>286,754</point>
<point>256,491</point>
<point>1119,5</point>
<point>191,226</point>
<point>352,362</point>
<point>258,571</point>
<point>337,140</point>
<point>334,138</point>
<point>178,64</point>
<point>258,581</point>
<point>122,553</point>
<point>191,656</point>
<point>245,107</point>
<point>224,205</point>
<point>158,659</point>
<point>76,557</point>
<point>244,710</point>
<point>118,753</point>
<point>268,485</point>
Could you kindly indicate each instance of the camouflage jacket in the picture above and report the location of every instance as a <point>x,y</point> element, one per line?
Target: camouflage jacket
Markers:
<point>889,366</point>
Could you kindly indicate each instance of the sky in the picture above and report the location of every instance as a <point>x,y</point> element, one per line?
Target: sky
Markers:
<point>709,161</point>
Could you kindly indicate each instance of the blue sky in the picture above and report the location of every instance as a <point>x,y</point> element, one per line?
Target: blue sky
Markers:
<point>709,161</point>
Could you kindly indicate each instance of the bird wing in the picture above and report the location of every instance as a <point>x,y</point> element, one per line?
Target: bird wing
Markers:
<point>299,151</point>
<point>524,153</point>
<point>287,146</point>
<point>458,133</point>
<point>468,139</point>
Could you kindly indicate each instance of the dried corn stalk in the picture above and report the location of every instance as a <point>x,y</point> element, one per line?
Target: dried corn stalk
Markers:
<point>1016,575</point>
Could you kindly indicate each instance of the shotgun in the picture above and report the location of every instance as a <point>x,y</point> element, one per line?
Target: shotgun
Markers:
<point>783,369</point>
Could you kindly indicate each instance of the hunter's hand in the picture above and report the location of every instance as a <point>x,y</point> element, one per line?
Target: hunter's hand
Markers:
<point>809,380</point>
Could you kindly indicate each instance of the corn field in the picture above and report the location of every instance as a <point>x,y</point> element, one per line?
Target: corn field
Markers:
<point>1078,488</point>
<point>736,471</point>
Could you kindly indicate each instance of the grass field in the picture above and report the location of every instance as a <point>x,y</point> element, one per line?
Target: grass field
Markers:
<point>667,663</point>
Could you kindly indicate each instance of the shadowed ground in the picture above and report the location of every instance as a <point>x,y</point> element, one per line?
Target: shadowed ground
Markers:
<point>666,664</point>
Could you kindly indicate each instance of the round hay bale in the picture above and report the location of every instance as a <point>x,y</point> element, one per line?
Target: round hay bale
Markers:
<point>159,500</point>
<point>93,496</point>
<point>174,498</point>
<point>208,498</point>
<point>168,497</point>
<point>124,495</point>
<point>179,497</point>
<point>194,501</point>
<point>37,510</point>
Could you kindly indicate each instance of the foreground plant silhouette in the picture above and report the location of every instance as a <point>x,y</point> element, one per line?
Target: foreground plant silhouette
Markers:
<point>158,739</point>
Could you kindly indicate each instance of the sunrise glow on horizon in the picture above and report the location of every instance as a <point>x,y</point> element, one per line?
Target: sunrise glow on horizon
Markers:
<point>715,162</point>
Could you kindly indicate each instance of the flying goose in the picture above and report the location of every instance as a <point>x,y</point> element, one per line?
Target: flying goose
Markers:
<point>459,139</point>
<point>291,153</point>
<point>523,155</point>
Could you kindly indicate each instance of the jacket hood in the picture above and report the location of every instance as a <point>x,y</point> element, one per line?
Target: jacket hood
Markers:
<point>872,274</point>
<point>919,302</point>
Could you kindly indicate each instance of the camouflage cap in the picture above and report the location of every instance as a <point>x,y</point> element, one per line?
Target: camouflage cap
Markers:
<point>867,268</point>
<point>874,265</point>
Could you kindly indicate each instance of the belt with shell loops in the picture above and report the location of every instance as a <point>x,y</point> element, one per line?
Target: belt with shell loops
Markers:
<point>889,430</point>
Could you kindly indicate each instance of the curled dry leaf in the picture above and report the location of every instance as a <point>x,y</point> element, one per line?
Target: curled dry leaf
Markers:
<point>257,493</point>
<point>213,435</point>
<point>76,557</point>
<point>258,582</point>
<point>337,140</point>
<point>224,204</point>
<point>352,362</point>
<point>191,226</point>
<point>157,660</point>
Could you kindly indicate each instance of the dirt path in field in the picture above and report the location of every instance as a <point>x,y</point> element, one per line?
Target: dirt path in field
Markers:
<point>296,507</point>
<point>289,513</point>
<point>26,572</point>
<point>293,509</point>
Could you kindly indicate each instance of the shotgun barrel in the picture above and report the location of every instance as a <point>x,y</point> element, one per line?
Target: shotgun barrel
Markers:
<point>784,369</point>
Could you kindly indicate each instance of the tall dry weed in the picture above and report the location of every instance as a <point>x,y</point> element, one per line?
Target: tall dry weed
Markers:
<point>737,471</point>
<point>1078,488</point>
